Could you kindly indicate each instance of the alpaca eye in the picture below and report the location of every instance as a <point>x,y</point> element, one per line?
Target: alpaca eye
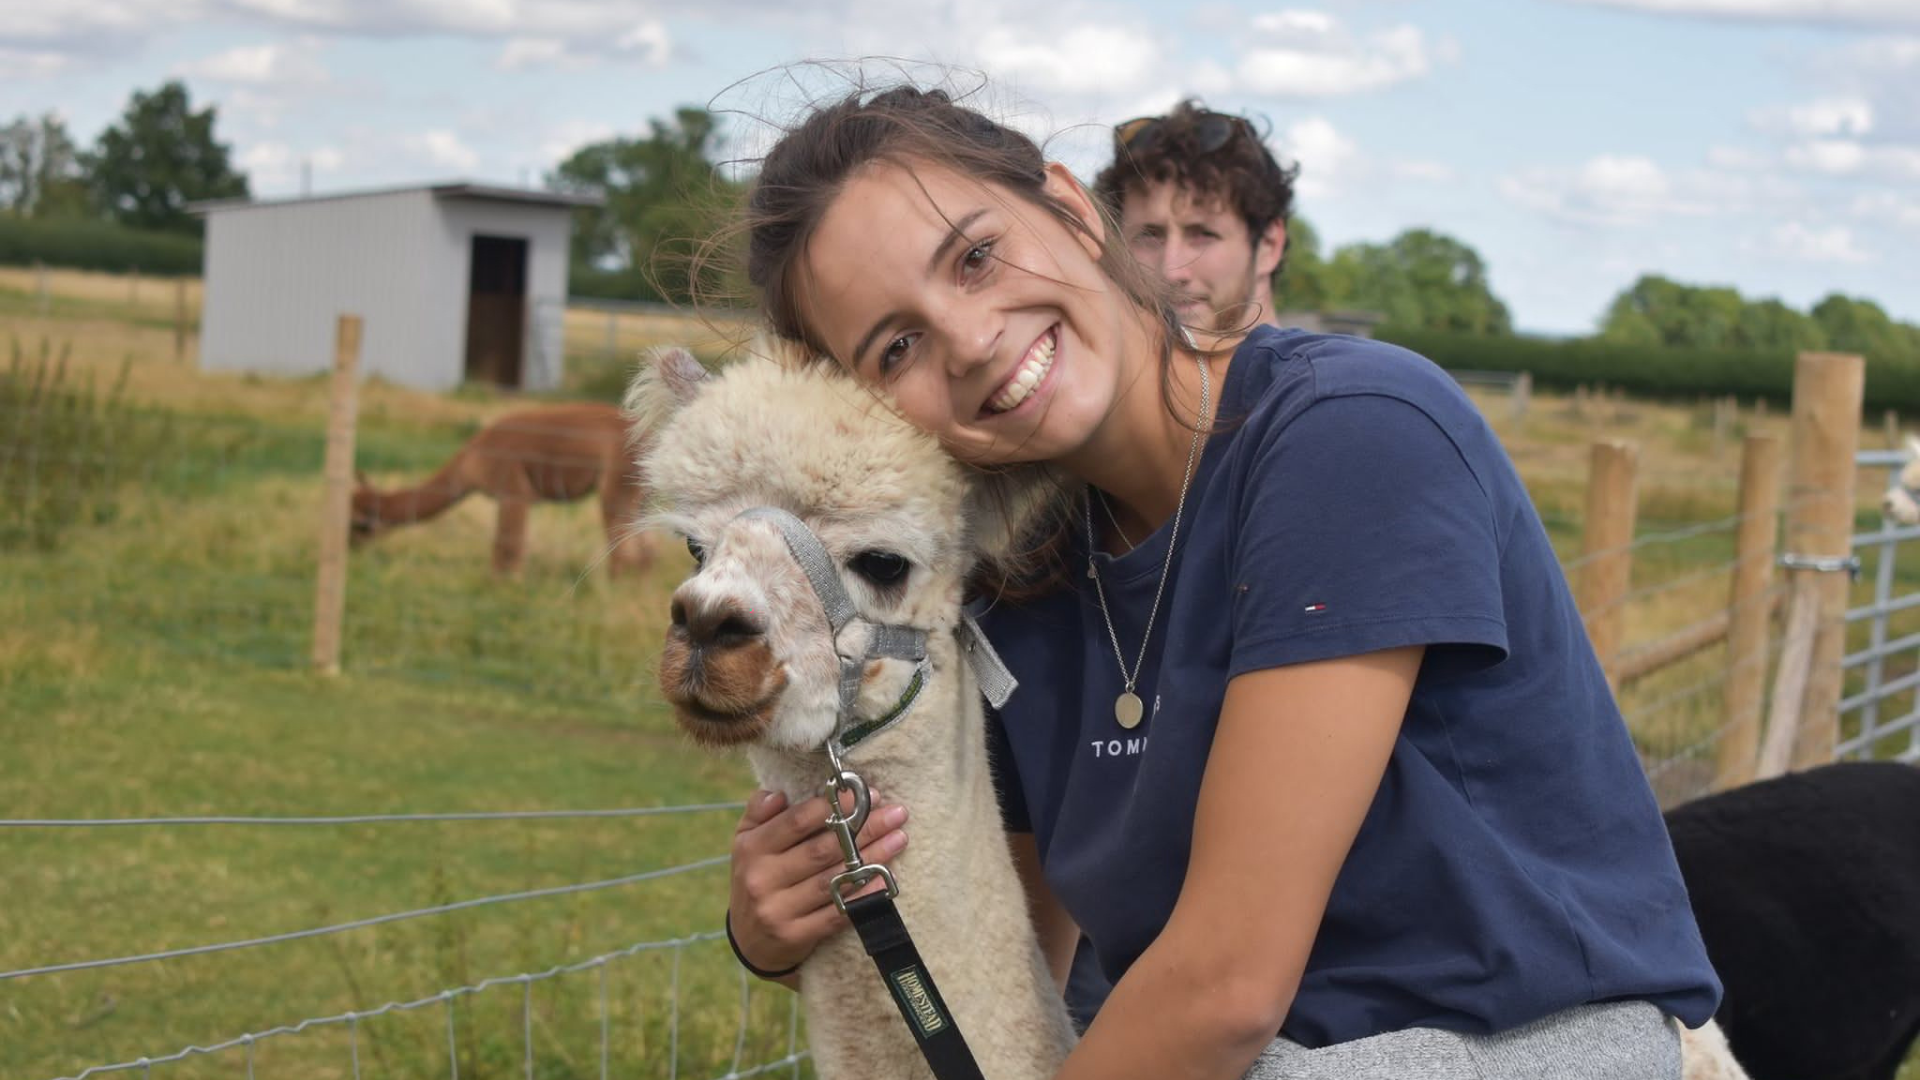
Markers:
<point>879,567</point>
<point>698,550</point>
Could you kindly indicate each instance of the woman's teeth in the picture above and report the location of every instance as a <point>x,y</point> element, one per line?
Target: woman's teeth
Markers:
<point>1034,369</point>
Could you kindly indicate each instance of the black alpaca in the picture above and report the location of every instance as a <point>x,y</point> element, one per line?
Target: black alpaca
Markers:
<point>1807,890</point>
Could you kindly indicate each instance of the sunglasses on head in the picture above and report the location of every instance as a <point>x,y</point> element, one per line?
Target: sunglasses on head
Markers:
<point>1211,131</point>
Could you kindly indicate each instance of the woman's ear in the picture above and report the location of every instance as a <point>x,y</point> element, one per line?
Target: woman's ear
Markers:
<point>1064,186</point>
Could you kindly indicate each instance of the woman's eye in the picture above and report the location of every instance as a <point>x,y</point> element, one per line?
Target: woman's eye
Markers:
<point>976,257</point>
<point>895,352</point>
<point>698,550</point>
<point>879,567</point>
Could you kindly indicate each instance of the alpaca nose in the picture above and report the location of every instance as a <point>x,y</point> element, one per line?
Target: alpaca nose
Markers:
<point>715,624</point>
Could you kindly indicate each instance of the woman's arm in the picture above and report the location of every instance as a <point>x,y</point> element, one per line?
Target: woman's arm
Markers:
<point>1056,929</point>
<point>1295,764</point>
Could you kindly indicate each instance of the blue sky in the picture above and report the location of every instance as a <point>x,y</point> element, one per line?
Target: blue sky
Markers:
<point>1773,145</point>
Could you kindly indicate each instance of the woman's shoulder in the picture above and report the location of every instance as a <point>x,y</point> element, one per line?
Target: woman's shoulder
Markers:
<point>1278,374</point>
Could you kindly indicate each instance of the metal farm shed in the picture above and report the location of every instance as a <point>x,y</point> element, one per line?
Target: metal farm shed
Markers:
<point>455,282</point>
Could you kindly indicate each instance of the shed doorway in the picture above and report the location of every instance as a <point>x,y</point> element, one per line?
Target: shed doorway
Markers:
<point>497,310</point>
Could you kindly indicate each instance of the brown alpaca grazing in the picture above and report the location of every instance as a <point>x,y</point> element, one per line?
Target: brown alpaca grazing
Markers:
<point>556,453</point>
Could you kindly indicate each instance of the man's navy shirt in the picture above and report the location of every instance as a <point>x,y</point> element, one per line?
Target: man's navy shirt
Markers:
<point>1513,863</point>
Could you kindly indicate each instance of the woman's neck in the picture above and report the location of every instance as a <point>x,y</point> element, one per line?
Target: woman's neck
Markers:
<point>1139,457</point>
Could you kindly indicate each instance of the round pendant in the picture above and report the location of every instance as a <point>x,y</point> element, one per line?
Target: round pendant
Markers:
<point>1128,710</point>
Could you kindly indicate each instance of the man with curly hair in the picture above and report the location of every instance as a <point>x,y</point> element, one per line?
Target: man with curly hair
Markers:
<point>1203,202</point>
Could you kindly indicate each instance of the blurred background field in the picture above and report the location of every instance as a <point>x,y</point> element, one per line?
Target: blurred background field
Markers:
<point>157,553</point>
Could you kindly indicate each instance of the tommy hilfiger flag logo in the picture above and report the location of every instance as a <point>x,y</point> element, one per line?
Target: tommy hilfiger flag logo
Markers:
<point>1315,609</point>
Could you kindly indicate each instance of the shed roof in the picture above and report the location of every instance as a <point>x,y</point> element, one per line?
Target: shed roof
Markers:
<point>456,189</point>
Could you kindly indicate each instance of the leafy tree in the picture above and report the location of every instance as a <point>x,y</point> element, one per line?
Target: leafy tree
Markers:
<point>664,198</point>
<point>1301,284</point>
<point>1678,315</point>
<point>1419,280</point>
<point>40,169</point>
<point>1770,324</point>
<point>1862,326</point>
<point>157,158</point>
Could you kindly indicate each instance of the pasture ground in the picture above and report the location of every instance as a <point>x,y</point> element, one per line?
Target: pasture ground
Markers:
<point>153,664</point>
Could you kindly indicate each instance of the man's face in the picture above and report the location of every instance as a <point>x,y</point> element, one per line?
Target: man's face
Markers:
<point>1201,246</point>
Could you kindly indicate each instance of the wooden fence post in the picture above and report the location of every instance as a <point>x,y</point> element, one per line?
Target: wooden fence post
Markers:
<point>613,335</point>
<point>1522,395</point>
<point>40,283</point>
<point>1749,606</point>
<point>1606,559</point>
<point>1827,391</point>
<point>336,507</point>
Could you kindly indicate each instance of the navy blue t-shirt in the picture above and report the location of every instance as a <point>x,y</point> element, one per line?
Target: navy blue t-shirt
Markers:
<point>1514,862</point>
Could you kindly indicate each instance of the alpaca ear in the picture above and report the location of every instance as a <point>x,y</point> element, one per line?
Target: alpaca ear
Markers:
<point>360,479</point>
<point>1913,446</point>
<point>668,378</point>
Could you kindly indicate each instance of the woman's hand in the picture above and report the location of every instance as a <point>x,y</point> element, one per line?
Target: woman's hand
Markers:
<point>783,859</point>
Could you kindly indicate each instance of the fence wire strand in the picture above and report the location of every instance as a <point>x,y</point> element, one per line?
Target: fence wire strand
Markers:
<point>378,920</point>
<point>448,997</point>
<point>372,819</point>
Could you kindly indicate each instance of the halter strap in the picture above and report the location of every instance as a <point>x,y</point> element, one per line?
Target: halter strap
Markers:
<point>888,640</point>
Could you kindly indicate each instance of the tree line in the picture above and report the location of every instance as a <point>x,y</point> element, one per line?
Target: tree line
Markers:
<point>142,171</point>
<point>661,234</point>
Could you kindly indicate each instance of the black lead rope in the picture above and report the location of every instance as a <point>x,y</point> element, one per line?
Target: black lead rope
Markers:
<point>886,939</point>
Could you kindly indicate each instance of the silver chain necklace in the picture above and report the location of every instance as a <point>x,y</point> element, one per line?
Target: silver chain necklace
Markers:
<point>1127,708</point>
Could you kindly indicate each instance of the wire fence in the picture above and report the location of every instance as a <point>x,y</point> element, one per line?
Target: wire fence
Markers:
<point>156,591</point>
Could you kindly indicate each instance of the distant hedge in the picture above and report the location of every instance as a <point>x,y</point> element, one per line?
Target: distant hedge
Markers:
<point>96,245</point>
<point>1654,372</point>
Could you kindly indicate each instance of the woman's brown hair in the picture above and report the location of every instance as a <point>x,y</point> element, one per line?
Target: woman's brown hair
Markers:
<point>812,162</point>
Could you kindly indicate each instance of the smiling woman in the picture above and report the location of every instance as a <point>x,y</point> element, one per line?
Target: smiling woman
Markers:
<point>1323,767</point>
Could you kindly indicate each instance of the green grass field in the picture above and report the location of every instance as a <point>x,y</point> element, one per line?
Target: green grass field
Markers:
<point>153,663</point>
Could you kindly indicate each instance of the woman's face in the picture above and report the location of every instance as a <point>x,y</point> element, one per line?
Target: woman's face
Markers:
<point>988,320</point>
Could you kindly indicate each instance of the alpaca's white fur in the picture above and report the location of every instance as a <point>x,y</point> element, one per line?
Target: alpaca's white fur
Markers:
<point>807,440</point>
<point>1897,503</point>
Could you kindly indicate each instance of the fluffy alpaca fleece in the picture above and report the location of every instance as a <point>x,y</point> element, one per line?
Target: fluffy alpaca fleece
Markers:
<point>748,663</point>
<point>1807,890</point>
<point>1898,503</point>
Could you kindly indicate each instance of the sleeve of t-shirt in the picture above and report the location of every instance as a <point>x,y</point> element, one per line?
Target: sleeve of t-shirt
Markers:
<point>1006,781</point>
<point>1362,527</point>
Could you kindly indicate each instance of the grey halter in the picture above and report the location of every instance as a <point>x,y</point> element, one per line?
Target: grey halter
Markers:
<point>886,640</point>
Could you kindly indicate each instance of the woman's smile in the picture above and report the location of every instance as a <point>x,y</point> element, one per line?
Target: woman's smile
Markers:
<point>1028,377</point>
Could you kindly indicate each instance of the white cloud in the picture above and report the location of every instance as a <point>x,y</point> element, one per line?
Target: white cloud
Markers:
<point>1736,158</point>
<point>442,149</point>
<point>1630,189</point>
<point>1822,12</point>
<point>30,64</point>
<point>604,29</point>
<point>1824,118</point>
<point>1851,157</point>
<point>647,44</point>
<point>562,141</point>
<point>1794,240</point>
<point>260,65</point>
<point>1888,207</point>
<point>1084,59</point>
<point>275,165</point>
<point>1326,157</point>
<point>1309,54</point>
<point>1332,165</point>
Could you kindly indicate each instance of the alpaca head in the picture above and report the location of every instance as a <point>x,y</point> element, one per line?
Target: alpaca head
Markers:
<point>363,518</point>
<point>749,655</point>
<point>1902,500</point>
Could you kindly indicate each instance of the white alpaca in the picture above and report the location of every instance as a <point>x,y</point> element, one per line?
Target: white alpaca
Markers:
<point>1902,500</point>
<point>749,662</point>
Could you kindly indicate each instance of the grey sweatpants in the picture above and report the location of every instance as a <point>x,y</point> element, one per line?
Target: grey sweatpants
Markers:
<point>1628,1040</point>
